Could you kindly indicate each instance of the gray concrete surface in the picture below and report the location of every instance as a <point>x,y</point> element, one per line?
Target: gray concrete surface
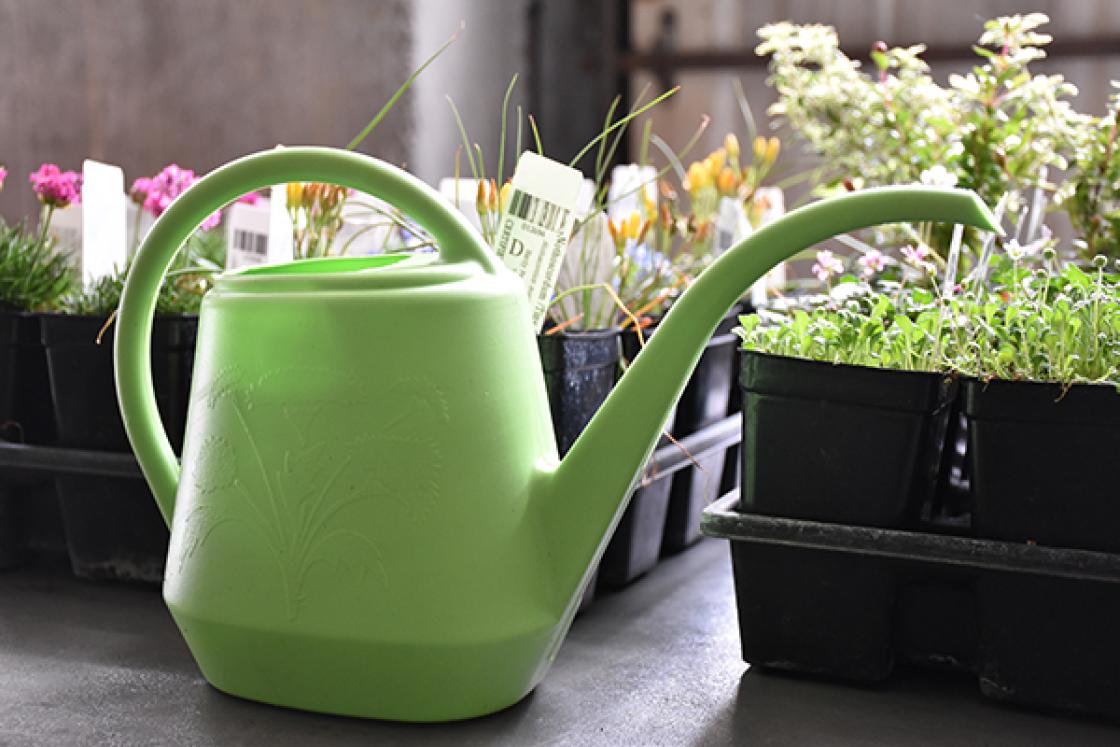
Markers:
<point>657,664</point>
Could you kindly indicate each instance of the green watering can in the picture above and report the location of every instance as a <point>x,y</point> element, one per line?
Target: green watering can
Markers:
<point>370,517</point>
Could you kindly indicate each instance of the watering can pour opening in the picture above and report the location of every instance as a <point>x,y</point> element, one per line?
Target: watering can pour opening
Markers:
<point>528,527</point>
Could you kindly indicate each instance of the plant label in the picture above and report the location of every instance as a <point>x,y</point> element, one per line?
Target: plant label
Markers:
<point>66,230</point>
<point>247,234</point>
<point>280,243</point>
<point>536,225</point>
<point>104,220</point>
<point>767,205</point>
<point>731,225</point>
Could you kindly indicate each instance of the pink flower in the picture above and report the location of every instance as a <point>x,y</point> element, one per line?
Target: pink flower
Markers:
<point>872,262</point>
<point>3,176</point>
<point>140,189</point>
<point>162,189</point>
<point>55,187</point>
<point>250,198</point>
<point>918,257</point>
<point>827,265</point>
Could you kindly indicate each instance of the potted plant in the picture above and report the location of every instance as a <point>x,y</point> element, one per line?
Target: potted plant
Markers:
<point>33,278</point>
<point>113,529</point>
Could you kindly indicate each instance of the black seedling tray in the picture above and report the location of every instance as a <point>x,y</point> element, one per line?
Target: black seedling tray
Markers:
<point>1036,624</point>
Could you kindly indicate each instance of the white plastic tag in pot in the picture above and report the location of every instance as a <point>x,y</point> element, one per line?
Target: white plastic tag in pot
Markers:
<point>247,234</point>
<point>536,225</point>
<point>767,205</point>
<point>104,220</point>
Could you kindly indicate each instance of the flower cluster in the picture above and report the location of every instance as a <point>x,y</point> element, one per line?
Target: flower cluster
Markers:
<point>156,194</point>
<point>56,188</point>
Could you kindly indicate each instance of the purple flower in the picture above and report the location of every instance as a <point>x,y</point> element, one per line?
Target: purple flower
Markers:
<point>872,262</point>
<point>55,187</point>
<point>827,265</point>
<point>140,189</point>
<point>250,198</point>
<point>3,176</point>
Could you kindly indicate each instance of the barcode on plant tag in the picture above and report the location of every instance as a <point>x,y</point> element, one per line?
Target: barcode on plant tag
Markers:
<point>543,213</point>
<point>251,242</point>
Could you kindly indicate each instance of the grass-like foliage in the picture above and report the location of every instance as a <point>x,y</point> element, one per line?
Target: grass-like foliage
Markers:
<point>33,277</point>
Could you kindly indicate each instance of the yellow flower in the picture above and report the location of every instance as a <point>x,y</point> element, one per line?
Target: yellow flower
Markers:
<point>295,193</point>
<point>633,225</point>
<point>649,204</point>
<point>773,147</point>
<point>759,148</point>
<point>503,196</point>
<point>698,177</point>
<point>714,162</point>
<point>731,145</point>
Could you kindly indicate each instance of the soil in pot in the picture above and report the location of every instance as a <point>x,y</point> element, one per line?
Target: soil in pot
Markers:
<point>840,443</point>
<point>113,528</point>
<point>1042,463</point>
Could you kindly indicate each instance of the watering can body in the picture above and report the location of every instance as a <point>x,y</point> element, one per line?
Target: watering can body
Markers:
<point>370,518</point>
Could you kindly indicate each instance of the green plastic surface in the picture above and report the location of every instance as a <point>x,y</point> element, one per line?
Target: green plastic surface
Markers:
<point>370,518</point>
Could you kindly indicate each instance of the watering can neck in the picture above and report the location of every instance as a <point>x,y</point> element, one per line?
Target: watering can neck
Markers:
<point>586,494</point>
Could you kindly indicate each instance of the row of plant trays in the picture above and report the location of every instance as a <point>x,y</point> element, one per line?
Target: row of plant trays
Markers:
<point>890,516</point>
<point>69,486</point>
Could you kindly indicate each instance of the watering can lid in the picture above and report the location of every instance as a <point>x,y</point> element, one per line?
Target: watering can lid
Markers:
<point>347,274</point>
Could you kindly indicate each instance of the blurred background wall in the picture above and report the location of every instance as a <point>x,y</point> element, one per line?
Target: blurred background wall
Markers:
<point>142,83</point>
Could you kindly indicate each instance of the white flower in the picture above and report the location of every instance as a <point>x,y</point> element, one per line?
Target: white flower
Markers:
<point>938,176</point>
<point>872,262</point>
<point>827,265</point>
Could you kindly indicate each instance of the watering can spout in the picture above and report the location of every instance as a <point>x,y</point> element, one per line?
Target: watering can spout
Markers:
<point>584,498</point>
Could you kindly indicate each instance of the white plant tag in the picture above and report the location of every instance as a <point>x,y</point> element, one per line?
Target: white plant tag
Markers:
<point>279,226</point>
<point>247,234</point>
<point>771,205</point>
<point>536,226</point>
<point>628,181</point>
<point>66,230</point>
<point>731,226</point>
<point>139,223</point>
<point>104,220</point>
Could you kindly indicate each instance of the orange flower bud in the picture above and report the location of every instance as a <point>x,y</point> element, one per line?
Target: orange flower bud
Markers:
<point>727,182</point>
<point>492,198</point>
<point>480,202</point>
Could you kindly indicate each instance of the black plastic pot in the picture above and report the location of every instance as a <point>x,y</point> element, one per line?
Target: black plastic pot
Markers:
<point>29,519</point>
<point>1035,624</point>
<point>580,370</point>
<point>841,443</point>
<point>113,528</point>
<point>635,546</point>
<point>704,401</point>
<point>1042,463</point>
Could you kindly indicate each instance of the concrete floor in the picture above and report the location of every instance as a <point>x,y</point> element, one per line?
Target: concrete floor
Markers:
<point>657,664</point>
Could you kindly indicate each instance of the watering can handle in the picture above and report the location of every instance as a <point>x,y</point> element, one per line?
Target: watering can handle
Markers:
<point>456,239</point>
